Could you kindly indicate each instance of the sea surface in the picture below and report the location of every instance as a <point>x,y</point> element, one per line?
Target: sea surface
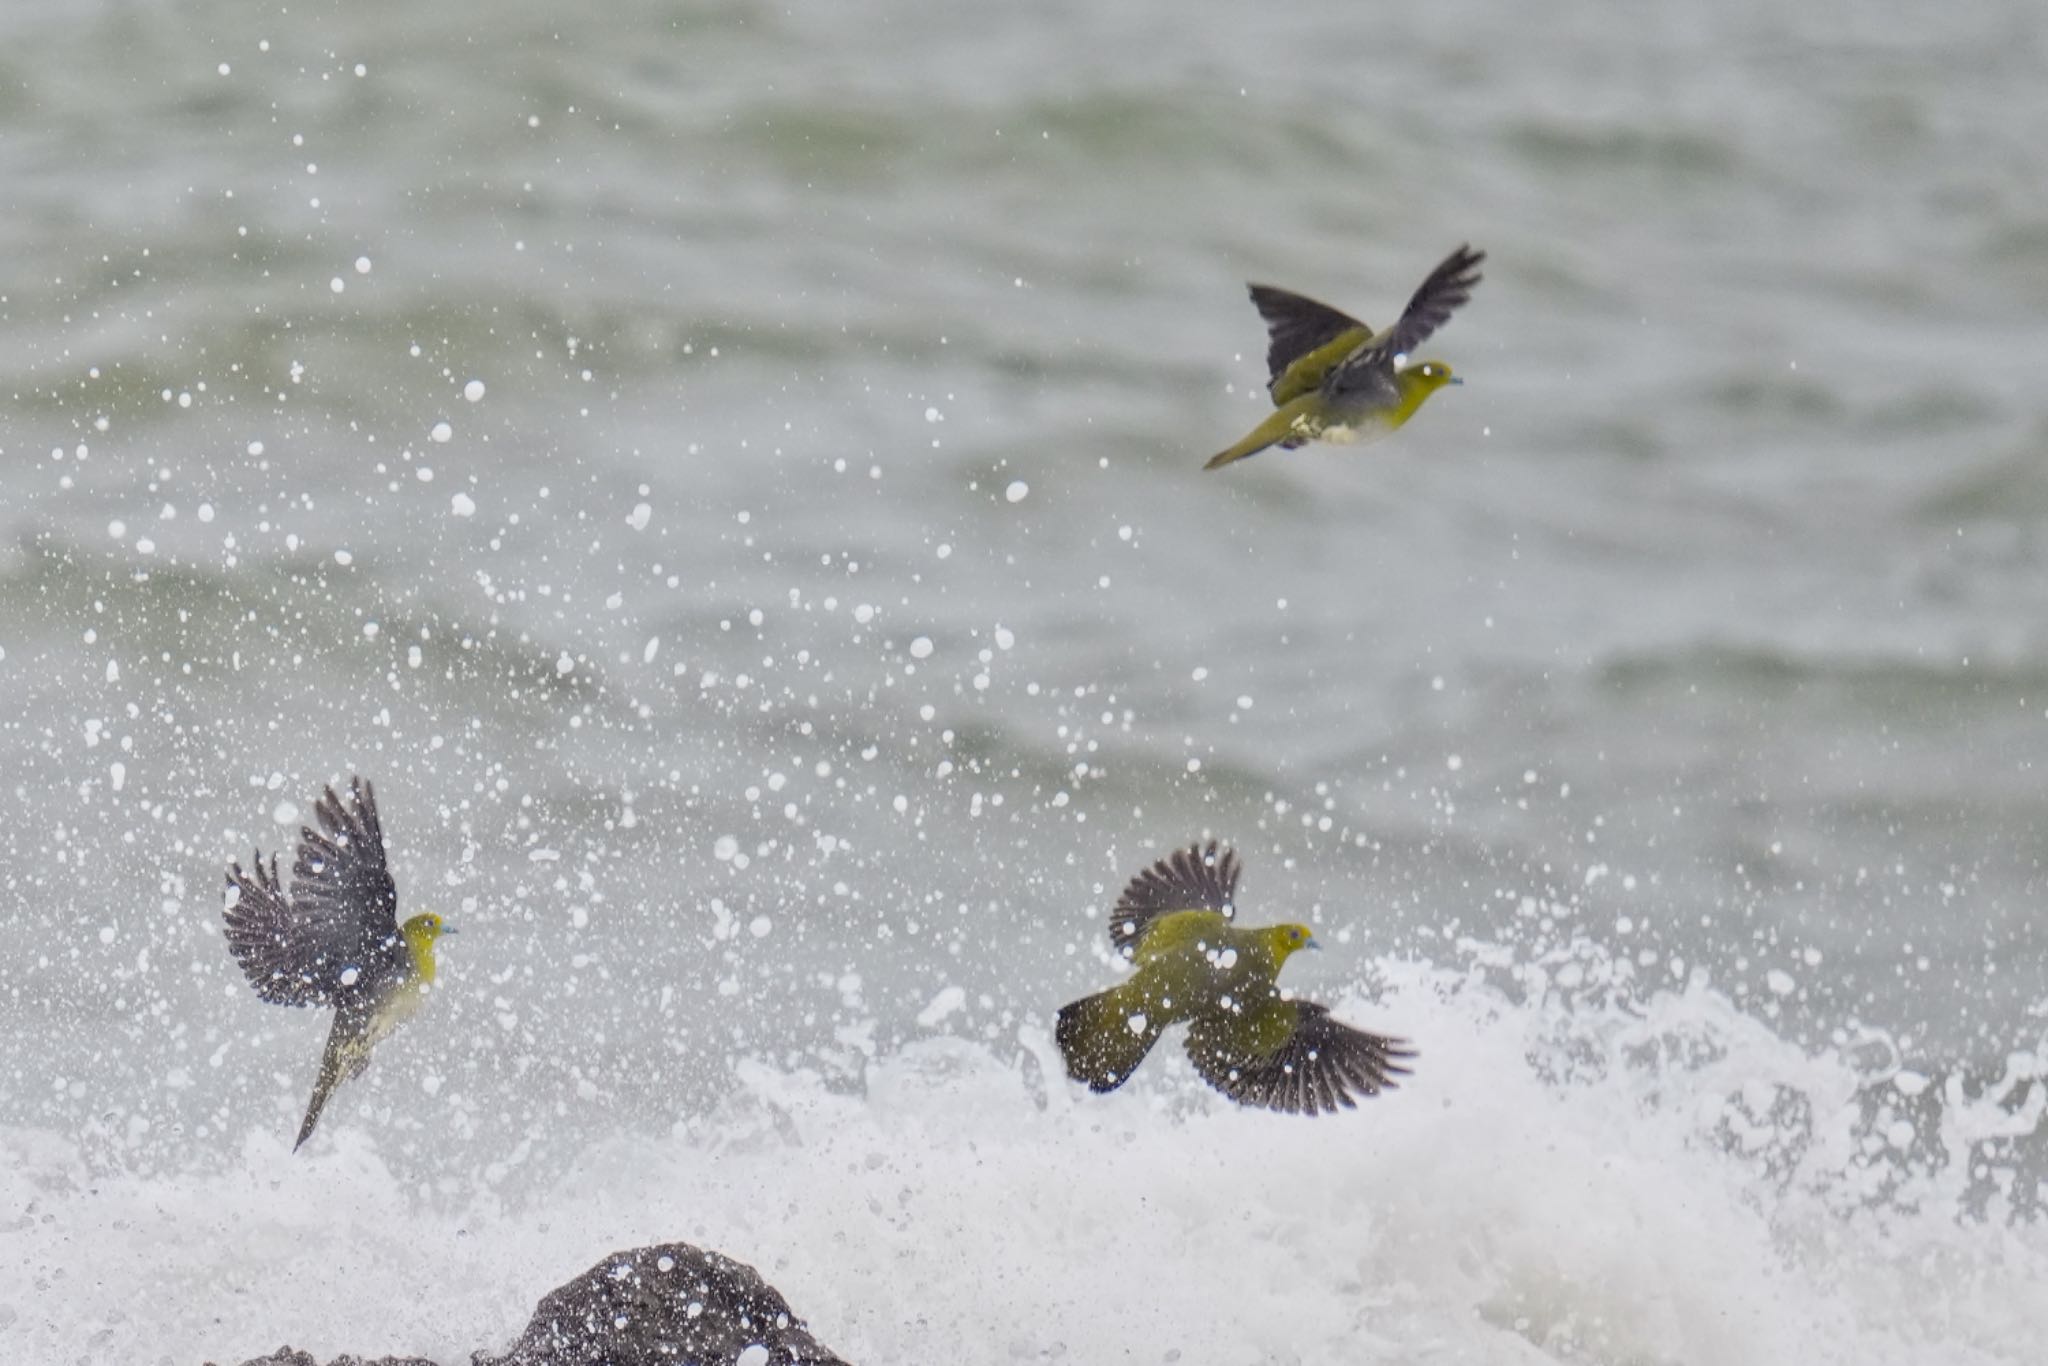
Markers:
<point>730,473</point>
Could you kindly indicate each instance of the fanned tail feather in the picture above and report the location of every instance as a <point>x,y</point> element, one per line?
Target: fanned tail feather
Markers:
<point>1103,1038</point>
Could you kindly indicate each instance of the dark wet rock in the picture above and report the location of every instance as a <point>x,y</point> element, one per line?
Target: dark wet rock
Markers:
<point>666,1305</point>
<point>660,1306</point>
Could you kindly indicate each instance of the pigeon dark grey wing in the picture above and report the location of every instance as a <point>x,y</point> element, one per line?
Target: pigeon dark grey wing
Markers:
<point>1297,325</point>
<point>278,957</point>
<point>1197,878</point>
<point>1448,288</point>
<point>340,877</point>
<point>1322,1067</point>
<point>338,932</point>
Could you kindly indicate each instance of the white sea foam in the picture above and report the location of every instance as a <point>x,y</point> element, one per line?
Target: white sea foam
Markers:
<point>1663,1184</point>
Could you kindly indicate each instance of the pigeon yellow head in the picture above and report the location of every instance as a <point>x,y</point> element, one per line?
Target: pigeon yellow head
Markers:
<point>426,928</point>
<point>420,934</point>
<point>1432,374</point>
<point>1291,939</point>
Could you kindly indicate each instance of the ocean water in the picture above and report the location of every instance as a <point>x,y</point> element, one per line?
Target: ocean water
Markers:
<point>730,474</point>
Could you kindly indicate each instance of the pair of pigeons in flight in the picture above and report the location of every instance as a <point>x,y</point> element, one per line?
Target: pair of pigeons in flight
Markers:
<point>334,940</point>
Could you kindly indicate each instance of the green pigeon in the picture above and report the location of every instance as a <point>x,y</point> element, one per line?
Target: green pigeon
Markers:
<point>1335,379</point>
<point>336,941</point>
<point>1193,964</point>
